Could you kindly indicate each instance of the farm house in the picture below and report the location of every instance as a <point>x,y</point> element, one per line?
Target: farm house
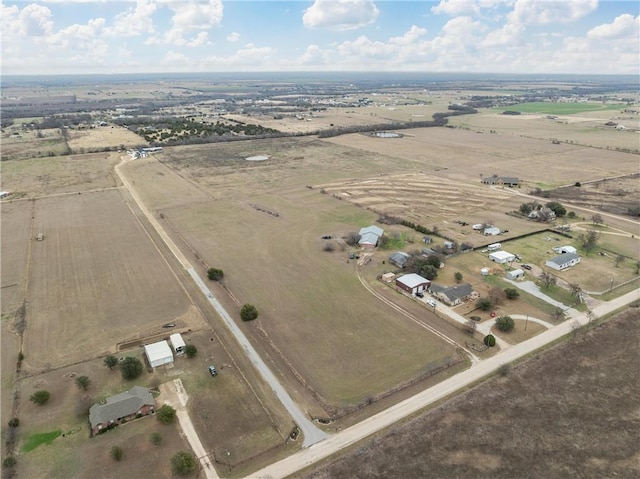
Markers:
<point>177,343</point>
<point>412,283</point>
<point>399,259</point>
<point>564,261</point>
<point>453,295</point>
<point>502,257</point>
<point>138,401</point>
<point>158,354</point>
<point>369,236</point>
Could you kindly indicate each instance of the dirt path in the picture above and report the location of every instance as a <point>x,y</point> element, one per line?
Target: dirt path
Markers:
<point>173,394</point>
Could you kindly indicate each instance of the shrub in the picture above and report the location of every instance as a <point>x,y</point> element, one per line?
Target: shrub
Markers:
<point>190,350</point>
<point>183,463</point>
<point>571,214</point>
<point>166,414</point>
<point>116,453</point>
<point>14,422</point>
<point>511,293</point>
<point>505,323</point>
<point>490,340</point>
<point>215,274</point>
<point>248,312</point>
<point>83,382</point>
<point>130,368</point>
<point>504,369</point>
<point>9,461</point>
<point>110,361</point>
<point>40,397</point>
<point>485,304</point>
<point>155,438</point>
<point>458,276</point>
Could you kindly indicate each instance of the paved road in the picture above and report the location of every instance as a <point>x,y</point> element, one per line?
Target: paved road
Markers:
<point>311,433</point>
<point>349,436</point>
<point>174,395</point>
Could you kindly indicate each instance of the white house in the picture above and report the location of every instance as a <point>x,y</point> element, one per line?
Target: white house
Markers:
<point>502,257</point>
<point>564,261</point>
<point>515,274</point>
<point>491,231</point>
<point>177,343</point>
<point>412,283</point>
<point>158,354</point>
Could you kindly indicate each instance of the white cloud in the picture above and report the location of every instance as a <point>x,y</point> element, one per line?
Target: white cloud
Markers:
<point>409,37</point>
<point>340,15</point>
<point>313,55</point>
<point>536,12</point>
<point>35,21</point>
<point>467,7</point>
<point>625,25</point>
<point>79,36</point>
<point>189,16</point>
<point>200,39</point>
<point>233,37</point>
<point>135,20</point>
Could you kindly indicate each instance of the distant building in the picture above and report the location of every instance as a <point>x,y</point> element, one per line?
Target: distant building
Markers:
<point>563,261</point>
<point>412,283</point>
<point>158,354</point>
<point>565,249</point>
<point>452,295</point>
<point>491,231</point>
<point>136,402</point>
<point>502,257</point>
<point>509,181</point>
<point>369,236</point>
<point>400,259</point>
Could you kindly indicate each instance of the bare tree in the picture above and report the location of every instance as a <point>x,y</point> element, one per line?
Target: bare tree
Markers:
<point>589,240</point>
<point>597,219</point>
<point>557,314</point>
<point>497,296</point>
<point>619,260</point>
<point>575,289</point>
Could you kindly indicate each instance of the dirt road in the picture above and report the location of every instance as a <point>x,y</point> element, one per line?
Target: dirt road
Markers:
<point>349,436</point>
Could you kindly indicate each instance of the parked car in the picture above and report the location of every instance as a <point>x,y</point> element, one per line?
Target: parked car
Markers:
<point>213,371</point>
<point>431,302</point>
<point>419,294</point>
<point>526,266</point>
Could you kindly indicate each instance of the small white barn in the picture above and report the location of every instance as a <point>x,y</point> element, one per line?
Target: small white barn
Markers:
<point>515,274</point>
<point>412,283</point>
<point>158,354</point>
<point>502,257</point>
<point>177,343</point>
<point>491,231</point>
<point>565,249</point>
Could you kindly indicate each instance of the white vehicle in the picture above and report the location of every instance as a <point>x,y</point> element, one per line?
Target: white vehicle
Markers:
<point>431,302</point>
<point>494,246</point>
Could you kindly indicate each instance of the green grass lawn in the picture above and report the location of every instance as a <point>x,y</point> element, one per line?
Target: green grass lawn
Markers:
<point>549,108</point>
<point>37,439</point>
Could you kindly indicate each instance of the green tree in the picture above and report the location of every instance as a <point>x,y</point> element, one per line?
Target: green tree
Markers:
<point>489,340</point>
<point>83,382</point>
<point>485,304</point>
<point>557,314</point>
<point>571,214</point>
<point>589,240</point>
<point>9,462</point>
<point>546,279</point>
<point>505,323</point>
<point>190,350</point>
<point>597,219</point>
<point>130,368</point>
<point>575,289</point>
<point>511,293</point>
<point>434,260</point>
<point>14,422</point>
<point>40,397</point>
<point>458,276</point>
<point>526,208</point>
<point>557,208</point>
<point>215,274</point>
<point>248,312</point>
<point>116,453</point>
<point>155,438</point>
<point>110,362</point>
<point>166,414</point>
<point>183,463</point>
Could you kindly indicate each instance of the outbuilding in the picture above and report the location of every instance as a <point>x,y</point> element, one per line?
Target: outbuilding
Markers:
<point>158,354</point>
<point>177,343</point>
<point>491,231</point>
<point>400,259</point>
<point>502,257</point>
<point>515,274</point>
<point>412,283</point>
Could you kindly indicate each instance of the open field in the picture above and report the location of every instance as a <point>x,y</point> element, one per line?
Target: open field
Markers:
<point>560,108</point>
<point>56,175</point>
<point>561,414</point>
<point>95,280</point>
<point>103,137</point>
<point>28,145</point>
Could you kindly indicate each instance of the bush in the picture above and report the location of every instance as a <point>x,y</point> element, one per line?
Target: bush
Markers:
<point>130,368</point>
<point>485,304</point>
<point>215,274</point>
<point>166,414</point>
<point>83,382</point>
<point>9,461</point>
<point>505,323</point>
<point>511,293</point>
<point>248,312</point>
<point>14,422</point>
<point>155,438</point>
<point>110,362</point>
<point>490,340</point>
<point>40,397</point>
<point>183,463</point>
<point>190,350</point>
<point>571,214</point>
<point>116,453</point>
<point>458,276</point>
<point>504,369</point>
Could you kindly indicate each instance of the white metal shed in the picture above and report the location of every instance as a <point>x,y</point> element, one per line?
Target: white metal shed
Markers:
<point>177,343</point>
<point>158,353</point>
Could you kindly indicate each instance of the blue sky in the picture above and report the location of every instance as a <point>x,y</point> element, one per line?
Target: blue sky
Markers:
<point>140,36</point>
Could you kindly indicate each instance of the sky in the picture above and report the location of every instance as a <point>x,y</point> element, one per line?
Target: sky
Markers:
<point>157,36</point>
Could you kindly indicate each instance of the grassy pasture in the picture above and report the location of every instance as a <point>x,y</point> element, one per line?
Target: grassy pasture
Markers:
<point>94,280</point>
<point>559,108</point>
<point>103,137</point>
<point>29,146</point>
<point>63,174</point>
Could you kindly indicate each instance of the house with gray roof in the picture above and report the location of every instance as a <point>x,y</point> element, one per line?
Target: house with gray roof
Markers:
<point>452,295</point>
<point>563,261</point>
<point>114,410</point>
<point>369,236</point>
<point>400,259</point>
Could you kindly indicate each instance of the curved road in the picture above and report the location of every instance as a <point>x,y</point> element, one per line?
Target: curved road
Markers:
<point>311,433</point>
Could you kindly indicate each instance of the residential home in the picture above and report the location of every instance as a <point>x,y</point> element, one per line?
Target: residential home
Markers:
<point>136,402</point>
<point>369,236</point>
<point>452,295</point>
<point>563,261</point>
<point>399,259</point>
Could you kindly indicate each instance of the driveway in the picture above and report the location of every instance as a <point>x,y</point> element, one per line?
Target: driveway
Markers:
<point>533,289</point>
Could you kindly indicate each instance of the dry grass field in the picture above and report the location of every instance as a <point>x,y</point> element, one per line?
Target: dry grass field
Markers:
<point>95,280</point>
<point>27,145</point>
<point>57,175</point>
<point>562,414</point>
<point>103,137</point>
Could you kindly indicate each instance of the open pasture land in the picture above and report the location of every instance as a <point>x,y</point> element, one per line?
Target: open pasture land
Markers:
<point>28,145</point>
<point>465,155</point>
<point>567,108</point>
<point>581,129</point>
<point>59,174</point>
<point>96,279</point>
<point>568,412</point>
<point>313,309</point>
<point>103,137</point>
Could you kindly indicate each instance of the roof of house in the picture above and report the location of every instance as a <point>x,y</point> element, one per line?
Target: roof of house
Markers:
<point>159,350</point>
<point>368,238</point>
<point>492,229</point>
<point>399,257</point>
<point>428,251</point>
<point>120,405</point>
<point>509,179</point>
<point>458,291</point>
<point>564,258</point>
<point>502,255</point>
<point>412,280</point>
<point>372,229</point>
